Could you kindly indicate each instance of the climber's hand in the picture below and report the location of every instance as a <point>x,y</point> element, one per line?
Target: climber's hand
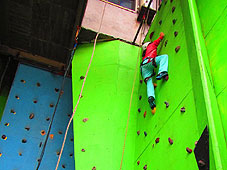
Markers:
<point>162,34</point>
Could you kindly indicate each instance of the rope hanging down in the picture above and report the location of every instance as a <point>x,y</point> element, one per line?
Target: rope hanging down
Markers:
<point>74,111</point>
<point>130,104</point>
<point>59,96</point>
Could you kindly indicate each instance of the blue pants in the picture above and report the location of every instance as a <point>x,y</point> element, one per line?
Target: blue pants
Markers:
<point>148,68</point>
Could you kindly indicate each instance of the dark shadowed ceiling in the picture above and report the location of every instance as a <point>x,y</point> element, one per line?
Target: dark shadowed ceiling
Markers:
<point>40,27</point>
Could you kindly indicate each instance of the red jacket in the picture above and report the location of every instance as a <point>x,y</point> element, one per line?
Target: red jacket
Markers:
<point>151,50</point>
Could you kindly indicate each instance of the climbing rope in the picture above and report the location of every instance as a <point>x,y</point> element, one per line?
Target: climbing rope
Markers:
<point>74,111</point>
<point>133,86</point>
<point>59,96</point>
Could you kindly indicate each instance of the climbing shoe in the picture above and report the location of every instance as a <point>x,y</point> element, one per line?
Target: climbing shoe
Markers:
<point>161,75</point>
<point>151,102</point>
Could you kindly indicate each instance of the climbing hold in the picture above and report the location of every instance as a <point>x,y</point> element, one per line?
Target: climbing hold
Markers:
<point>166,43</point>
<point>94,168</point>
<point>167,104</point>
<point>175,33</point>
<point>24,141</point>
<point>83,150</point>
<point>22,81</point>
<point>58,153</point>
<point>165,2</point>
<point>140,97</point>
<point>43,132</point>
<point>174,21</point>
<point>173,9</point>
<point>82,77</point>
<point>51,105</point>
<point>201,163</point>
<point>0,154</point>
<point>166,78</point>
<point>20,154</point>
<point>80,96</point>
<point>145,113</point>
<point>141,81</point>
<point>139,110</point>
<point>4,137</point>
<point>60,132</point>
<point>153,110</point>
<point>171,1</point>
<point>182,109</point>
<point>157,140</point>
<point>138,162</point>
<point>17,97</point>
<point>51,136</point>
<point>151,34</point>
<point>145,167</point>
<point>138,132</point>
<point>85,120</point>
<point>170,141</point>
<point>35,101</point>
<point>155,85</point>
<point>38,84</point>
<point>189,150</point>
<point>40,144</point>
<point>160,22</point>
<point>63,166</point>
<point>12,111</point>
<point>31,116</point>
<point>145,133</point>
<point>6,124</point>
<point>27,128</point>
<point>177,49</point>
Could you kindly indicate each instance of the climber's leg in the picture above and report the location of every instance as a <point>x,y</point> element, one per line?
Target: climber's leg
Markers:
<point>147,72</point>
<point>162,61</point>
<point>150,88</point>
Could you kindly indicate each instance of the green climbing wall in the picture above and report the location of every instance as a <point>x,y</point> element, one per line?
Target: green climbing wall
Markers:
<point>214,28</point>
<point>183,128</point>
<point>106,96</point>
<point>105,103</point>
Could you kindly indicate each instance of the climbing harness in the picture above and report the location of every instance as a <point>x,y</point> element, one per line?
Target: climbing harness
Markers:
<point>149,60</point>
<point>74,111</point>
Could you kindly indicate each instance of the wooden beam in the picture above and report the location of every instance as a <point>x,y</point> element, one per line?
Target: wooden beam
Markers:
<point>20,54</point>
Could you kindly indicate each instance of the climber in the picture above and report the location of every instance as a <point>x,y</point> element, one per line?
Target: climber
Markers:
<point>150,61</point>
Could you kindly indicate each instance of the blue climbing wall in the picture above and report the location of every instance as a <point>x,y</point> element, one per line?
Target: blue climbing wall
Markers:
<point>26,119</point>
